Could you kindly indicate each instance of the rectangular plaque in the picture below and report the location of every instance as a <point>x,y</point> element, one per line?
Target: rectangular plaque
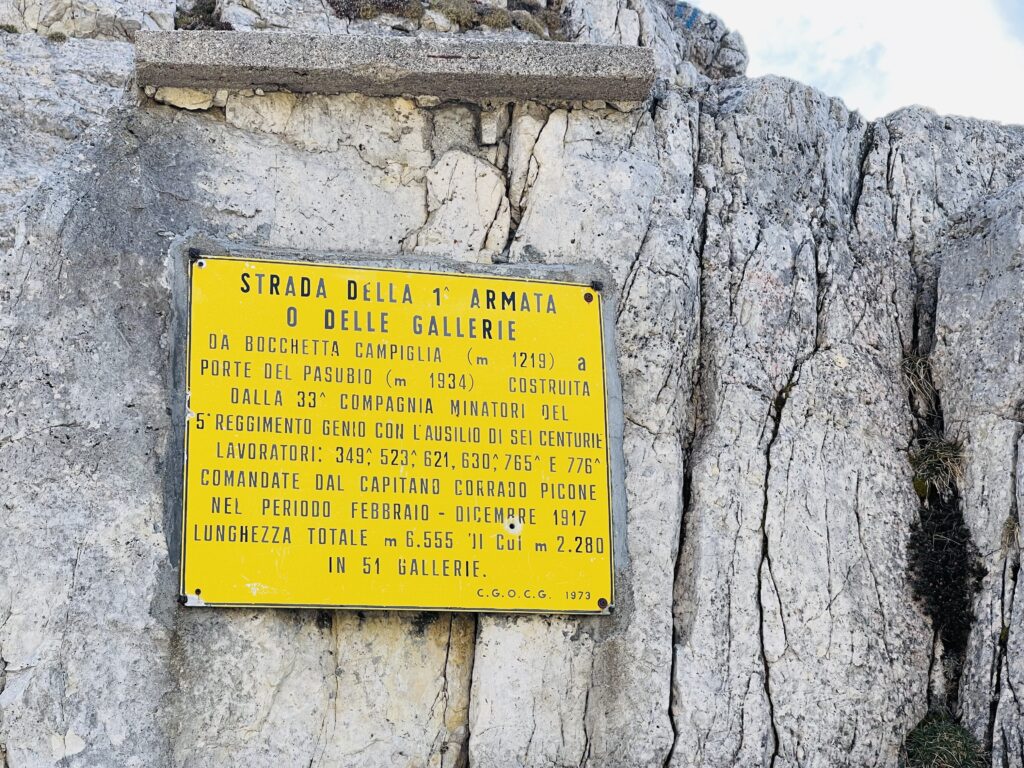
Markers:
<point>388,438</point>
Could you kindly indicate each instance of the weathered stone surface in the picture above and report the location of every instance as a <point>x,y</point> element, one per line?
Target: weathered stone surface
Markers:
<point>979,368</point>
<point>282,15</point>
<point>105,19</point>
<point>392,66</point>
<point>589,714</point>
<point>184,98</point>
<point>52,95</point>
<point>610,22</point>
<point>773,257</point>
<point>800,497</point>
<point>468,209</point>
<point>924,174</point>
<point>84,639</point>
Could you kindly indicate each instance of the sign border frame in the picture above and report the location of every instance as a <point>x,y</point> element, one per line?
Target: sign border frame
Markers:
<point>586,274</point>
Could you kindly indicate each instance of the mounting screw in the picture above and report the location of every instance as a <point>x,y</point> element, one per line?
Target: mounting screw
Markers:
<point>588,297</point>
<point>602,603</point>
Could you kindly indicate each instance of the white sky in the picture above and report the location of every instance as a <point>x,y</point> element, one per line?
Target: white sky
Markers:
<point>963,58</point>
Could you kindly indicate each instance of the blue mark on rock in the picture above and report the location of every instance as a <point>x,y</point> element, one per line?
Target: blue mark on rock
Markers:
<point>681,11</point>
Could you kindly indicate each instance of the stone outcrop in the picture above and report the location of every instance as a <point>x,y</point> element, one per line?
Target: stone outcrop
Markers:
<point>979,352</point>
<point>54,96</point>
<point>776,259</point>
<point>103,19</point>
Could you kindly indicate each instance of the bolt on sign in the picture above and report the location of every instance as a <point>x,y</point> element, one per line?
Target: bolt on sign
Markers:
<point>388,438</point>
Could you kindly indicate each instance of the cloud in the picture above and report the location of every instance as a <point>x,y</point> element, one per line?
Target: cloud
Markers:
<point>881,55</point>
<point>855,74</point>
<point>1013,12</point>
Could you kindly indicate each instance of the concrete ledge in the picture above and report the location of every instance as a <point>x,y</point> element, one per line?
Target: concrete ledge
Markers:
<point>394,66</point>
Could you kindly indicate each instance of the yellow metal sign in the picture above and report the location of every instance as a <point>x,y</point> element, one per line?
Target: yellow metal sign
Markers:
<point>384,438</point>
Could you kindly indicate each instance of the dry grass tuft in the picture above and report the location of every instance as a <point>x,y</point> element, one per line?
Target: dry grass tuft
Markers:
<point>370,9</point>
<point>938,462</point>
<point>939,742</point>
<point>1011,533</point>
<point>527,22</point>
<point>496,18</point>
<point>918,374</point>
<point>460,12</point>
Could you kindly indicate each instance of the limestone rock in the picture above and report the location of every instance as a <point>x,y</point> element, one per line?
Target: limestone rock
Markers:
<point>184,98</point>
<point>611,22</point>
<point>610,684</point>
<point>528,121</point>
<point>52,95</point>
<point>105,19</point>
<point>269,113</point>
<point>468,209</point>
<point>294,15</point>
<point>979,370</point>
<point>494,123</point>
<point>938,189</point>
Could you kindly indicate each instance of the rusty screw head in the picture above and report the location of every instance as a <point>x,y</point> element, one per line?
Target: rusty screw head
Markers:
<point>588,297</point>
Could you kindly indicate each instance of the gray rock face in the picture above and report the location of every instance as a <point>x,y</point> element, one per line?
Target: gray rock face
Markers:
<point>949,206</point>
<point>775,259</point>
<point>979,340</point>
<point>52,95</point>
<point>104,19</point>
<point>800,499</point>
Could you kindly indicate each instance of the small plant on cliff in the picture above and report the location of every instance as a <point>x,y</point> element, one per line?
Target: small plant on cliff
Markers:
<point>459,12</point>
<point>466,14</point>
<point>548,18</point>
<point>527,22</point>
<point>945,569</point>
<point>918,374</point>
<point>371,9</point>
<point>9,28</point>
<point>496,18</point>
<point>939,742</point>
<point>202,15</point>
<point>944,566</point>
<point>938,462</point>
